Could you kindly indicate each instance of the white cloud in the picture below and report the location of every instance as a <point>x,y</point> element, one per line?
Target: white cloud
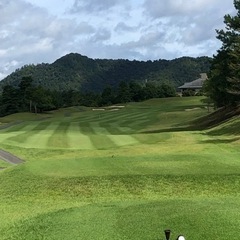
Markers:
<point>94,5</point>
<point>3,52</point>
<point>34,31</point>
<point>123,27</point>
<point>101,35</point>
<point>8,67</point>
<point>159,9</point>
<point>84,28</point>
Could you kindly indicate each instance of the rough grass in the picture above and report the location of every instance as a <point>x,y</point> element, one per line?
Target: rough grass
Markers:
<point>4,164</point>
<point>127,174</point>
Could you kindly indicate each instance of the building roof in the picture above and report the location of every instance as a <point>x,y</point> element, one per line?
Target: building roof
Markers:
<point>196,84</point>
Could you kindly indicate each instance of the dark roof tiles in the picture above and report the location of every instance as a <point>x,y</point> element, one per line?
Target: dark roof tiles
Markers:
<point>196,84</point>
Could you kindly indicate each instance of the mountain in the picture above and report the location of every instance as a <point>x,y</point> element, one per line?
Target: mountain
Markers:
<point>76,72</point>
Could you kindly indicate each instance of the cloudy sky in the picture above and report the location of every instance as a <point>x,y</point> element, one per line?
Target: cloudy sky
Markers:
<point>36,31</point>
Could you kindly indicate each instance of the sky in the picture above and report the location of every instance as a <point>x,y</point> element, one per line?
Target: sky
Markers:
<point>41,31</point>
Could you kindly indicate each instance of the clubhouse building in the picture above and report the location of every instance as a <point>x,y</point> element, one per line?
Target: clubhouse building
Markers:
<point>195,85</point>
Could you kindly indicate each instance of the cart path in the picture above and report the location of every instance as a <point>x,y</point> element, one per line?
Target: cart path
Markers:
<point>10,158</point>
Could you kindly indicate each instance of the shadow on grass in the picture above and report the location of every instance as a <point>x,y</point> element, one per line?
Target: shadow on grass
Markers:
<point>173,129</point>
<point>8,125</point>
<point>231,129</point>
<point>212,123</point>
<point>216,141</point>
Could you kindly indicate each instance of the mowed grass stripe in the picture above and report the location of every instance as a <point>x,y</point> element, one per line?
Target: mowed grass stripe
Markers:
<point>41,135</point>
<point>41,126</point>
<point>136,121</point>
<point>102,141</point>
<point>59,138</point>
<point>22,135</point>
<point>121,117</point>
<point>116,129</point>
<point>153,137</point>
<point>85,128</point>
<point>98,129</point>
<point>4,137</point>
<point>138,125</point>
<point>100,138</point>
<point>123,140</point>
<point>110,116</point>
<point>25,126</point>
<point>107,115</point>
<point>76,139</point>
<point>15,128</point>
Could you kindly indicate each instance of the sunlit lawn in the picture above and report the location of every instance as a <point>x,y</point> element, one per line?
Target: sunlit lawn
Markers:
<point>126,174</point>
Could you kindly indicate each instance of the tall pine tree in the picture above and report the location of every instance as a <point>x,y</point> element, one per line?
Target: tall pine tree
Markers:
<point>223,86</point>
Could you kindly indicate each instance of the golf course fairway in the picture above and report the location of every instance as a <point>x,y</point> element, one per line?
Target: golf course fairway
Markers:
<point>121,173</point>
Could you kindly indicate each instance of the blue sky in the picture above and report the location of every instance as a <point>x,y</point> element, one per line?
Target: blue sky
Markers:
<point>36,31</point>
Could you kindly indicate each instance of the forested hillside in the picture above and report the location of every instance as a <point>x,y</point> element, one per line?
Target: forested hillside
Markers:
<point>77,72</point>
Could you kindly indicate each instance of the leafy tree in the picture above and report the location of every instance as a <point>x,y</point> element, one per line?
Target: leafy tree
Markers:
<point>90,99</point>
<point>41,100</point>
<point>25,97</point>
<point>9,101</point>
<point>136,92</point>
<point>151,90</point>
<point>66,97</point>
<point>223,85</point>
<point>123,93</point>
<point>234,67</point>
<point>217,85</point>
<point>57,98</point>
<point>25,91</point>
<point>167,90</point>
<point>107,96</point>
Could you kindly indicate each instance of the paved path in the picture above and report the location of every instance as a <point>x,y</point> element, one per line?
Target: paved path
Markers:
<point>10,158</point>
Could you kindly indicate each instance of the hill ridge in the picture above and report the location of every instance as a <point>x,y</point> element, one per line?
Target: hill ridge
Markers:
<point>78,72</point>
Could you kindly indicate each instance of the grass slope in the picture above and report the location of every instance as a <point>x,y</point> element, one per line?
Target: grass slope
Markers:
<point>126,174</point>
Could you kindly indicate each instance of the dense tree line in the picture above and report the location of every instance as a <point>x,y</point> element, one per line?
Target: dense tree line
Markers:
<point>223,86</point>
<point>27,96</point>
<point>77,72</point>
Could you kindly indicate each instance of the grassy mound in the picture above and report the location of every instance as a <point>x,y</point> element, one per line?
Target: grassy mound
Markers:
<point>217,117</point>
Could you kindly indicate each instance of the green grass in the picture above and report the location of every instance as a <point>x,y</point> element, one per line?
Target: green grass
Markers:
<point>230,128</point>
<point>4,164</point>
<point>126,174</point>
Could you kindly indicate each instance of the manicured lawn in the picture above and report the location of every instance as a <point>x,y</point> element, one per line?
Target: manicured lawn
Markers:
<point>126,174</point>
